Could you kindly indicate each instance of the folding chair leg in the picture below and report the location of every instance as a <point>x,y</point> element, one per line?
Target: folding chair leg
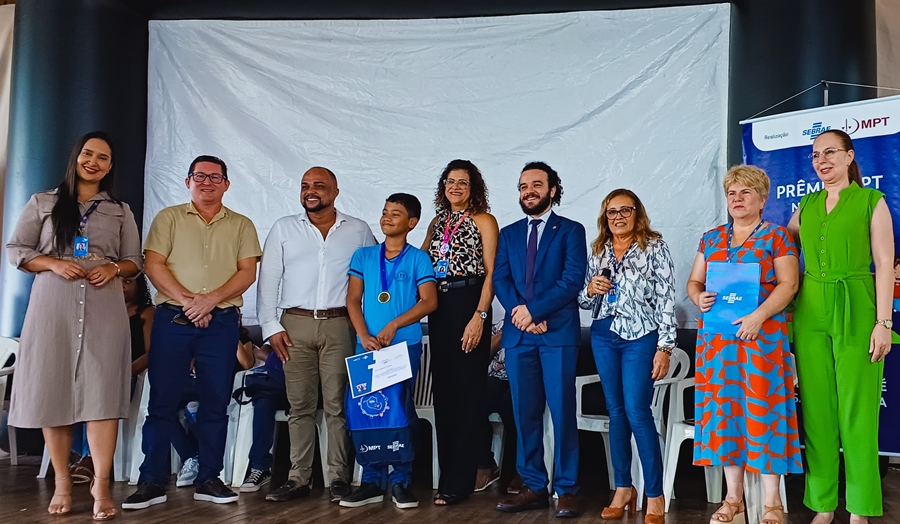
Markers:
<point>714,477</point>
<point>45,464</point>
<point>609,465</point>
<point>637,474</point>
<point>13,447</point>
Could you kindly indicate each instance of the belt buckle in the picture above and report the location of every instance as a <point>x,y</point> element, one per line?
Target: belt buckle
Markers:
<point>444,286</point>
<point>317,317</point>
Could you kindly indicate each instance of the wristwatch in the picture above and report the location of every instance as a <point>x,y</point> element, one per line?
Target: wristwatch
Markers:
<point>886,323</point>
<point>482,314</point>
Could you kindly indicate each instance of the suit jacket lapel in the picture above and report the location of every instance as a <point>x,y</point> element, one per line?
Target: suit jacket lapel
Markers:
<point>546,237</point>
<point>519,245</point>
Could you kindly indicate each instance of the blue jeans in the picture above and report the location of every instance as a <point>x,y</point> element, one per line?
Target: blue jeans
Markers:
<point>264,409</point>
<point>79,439</point>
<point>184,438</point>
<point>621,362</point>
<point>214,351</point>
<point>400,472</point>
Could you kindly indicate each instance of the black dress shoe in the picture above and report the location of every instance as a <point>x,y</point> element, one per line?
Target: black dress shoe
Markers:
<point>567,507</point>
<point>339,489</point>
<point>292,489</point>
<point>525,500</point>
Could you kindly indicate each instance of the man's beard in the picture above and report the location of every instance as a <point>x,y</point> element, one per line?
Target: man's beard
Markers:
<point>315,209</point>
<point>539,208</point>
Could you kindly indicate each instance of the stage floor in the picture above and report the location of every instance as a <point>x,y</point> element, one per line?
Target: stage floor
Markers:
<point>24,498</point>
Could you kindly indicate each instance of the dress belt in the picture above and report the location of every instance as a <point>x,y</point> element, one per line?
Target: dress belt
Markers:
<point>840,279</point>
<point>319,314</point>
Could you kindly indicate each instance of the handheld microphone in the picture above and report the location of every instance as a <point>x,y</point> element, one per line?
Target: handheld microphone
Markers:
<point>598,300</point>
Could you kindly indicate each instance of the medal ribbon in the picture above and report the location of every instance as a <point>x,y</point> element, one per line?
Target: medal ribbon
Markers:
<point>84,219</point>
<point>445,244</point>
<point>386,279</point>
<point>728,253</point>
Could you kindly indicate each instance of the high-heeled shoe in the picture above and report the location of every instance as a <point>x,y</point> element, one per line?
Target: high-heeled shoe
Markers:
<point>737,513</point>
<point>65,506</point>
<point>772,509</point>
<point>655,518</point>
<point>102,514</point>
<point>610,512</point>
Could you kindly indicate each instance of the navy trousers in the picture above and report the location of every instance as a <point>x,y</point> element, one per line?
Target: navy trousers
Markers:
<point>214,351</point>
<point>539,376</point>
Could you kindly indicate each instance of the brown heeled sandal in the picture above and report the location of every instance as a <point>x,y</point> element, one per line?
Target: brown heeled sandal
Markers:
<point>102,514</point>
<point>770,509</point>
<point>737,513</point>
<point>654,518</point>
<point>64,507</point>
<point>610,513</point>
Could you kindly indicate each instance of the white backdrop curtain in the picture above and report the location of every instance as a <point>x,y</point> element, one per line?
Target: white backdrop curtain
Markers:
<point>633,98</point>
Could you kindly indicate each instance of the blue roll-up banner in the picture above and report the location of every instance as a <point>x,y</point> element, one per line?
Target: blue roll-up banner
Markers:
<point>781,145</point>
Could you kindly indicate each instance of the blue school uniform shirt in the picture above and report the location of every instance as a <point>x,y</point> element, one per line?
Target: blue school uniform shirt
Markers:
<point>414,270</point>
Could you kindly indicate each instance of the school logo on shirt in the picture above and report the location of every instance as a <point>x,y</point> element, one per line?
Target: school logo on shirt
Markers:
<point>374,404</point>
<point>402,276</point>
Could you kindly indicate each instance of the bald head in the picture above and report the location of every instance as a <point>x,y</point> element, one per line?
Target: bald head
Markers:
<point>318,189</point>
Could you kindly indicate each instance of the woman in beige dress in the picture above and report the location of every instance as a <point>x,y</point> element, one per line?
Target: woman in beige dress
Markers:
<point>75,349</point>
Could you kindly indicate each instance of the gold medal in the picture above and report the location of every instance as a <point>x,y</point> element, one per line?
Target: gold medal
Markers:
<point>384,297</point>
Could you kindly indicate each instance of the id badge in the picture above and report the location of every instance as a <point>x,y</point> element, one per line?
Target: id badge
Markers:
<point>612,294</point>
<point>81,247</point>
<point>441,271</point>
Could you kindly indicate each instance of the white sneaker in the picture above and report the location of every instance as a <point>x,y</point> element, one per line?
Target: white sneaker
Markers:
<point>188,473</point>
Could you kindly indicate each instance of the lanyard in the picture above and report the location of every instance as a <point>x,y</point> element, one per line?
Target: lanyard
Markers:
<point>386,279</point>
<point>445,244</point>
<point>86,216</point>
<point>728,253</point>
<point>614,263</point>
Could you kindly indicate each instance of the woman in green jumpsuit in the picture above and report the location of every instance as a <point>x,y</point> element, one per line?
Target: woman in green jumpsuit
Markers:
<point>842,329</point>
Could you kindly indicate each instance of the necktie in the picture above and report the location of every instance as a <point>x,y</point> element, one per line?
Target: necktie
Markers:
<point>530,256</point>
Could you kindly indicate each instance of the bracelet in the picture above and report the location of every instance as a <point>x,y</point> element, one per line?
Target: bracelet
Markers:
<point>665,349</point>
<point>118,269</point>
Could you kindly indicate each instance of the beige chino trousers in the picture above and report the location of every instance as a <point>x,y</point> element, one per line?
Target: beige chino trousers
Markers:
<point>317,355</point>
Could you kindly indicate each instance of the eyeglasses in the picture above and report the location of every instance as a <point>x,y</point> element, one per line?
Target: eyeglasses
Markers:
<point>624,211</point>
<point>458,183</point>
<point>215,178</point>
<point>828,154</point>
<point>181,319</point>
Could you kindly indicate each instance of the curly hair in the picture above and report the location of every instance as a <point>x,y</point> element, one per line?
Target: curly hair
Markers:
<point>642,231</point>
<point>142,292</point>
<point>553,180</point>
<point>478,193</point>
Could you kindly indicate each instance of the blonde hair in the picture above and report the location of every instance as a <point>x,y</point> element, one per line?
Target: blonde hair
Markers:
<point>750,176</point>
<point>642,231</point>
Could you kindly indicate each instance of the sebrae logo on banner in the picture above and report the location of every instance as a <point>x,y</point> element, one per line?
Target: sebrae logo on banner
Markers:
<point>859,120</point>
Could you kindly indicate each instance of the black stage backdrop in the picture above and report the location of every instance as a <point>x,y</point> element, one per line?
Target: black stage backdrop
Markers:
<point>80,65</point>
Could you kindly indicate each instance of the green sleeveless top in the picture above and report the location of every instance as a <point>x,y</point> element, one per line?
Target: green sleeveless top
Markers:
<point>836,247</point>
<point>837,244</point>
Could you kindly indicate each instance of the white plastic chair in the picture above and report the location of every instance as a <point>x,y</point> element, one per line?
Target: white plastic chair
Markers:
<point>124,438</point>
<point>9,347</point>
<point>423,399</point>
<point>679,367</point>
<point>679,431</point>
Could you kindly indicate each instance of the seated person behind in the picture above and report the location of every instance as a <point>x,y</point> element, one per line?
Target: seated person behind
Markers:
<point>139,305</point>
<point>498,401</point>
<point>384,310</point>
<point>264,408</point>
<point>185,442</point>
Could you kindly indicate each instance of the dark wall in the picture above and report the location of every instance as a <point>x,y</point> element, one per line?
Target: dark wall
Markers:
<point>80,65</point>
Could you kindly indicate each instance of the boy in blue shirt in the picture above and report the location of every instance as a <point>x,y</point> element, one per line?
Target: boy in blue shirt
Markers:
<point>391,288</point>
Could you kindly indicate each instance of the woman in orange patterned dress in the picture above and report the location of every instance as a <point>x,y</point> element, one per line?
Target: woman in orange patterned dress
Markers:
<point>745,408</point>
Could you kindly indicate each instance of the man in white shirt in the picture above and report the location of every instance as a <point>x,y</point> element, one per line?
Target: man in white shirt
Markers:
<point>306,258</point>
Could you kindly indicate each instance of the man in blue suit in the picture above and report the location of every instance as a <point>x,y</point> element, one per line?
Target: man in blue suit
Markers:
<point>538,273</point>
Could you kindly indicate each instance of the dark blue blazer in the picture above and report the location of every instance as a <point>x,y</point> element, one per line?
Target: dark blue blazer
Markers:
<point>558,278</point>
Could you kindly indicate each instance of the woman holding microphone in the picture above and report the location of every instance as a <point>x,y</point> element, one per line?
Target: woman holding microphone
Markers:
<point>631,278</point>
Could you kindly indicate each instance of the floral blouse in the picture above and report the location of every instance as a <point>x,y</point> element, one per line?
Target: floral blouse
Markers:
<point>645,298</point>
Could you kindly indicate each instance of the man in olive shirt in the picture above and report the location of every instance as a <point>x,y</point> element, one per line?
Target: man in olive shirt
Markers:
<point>201,257</point>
